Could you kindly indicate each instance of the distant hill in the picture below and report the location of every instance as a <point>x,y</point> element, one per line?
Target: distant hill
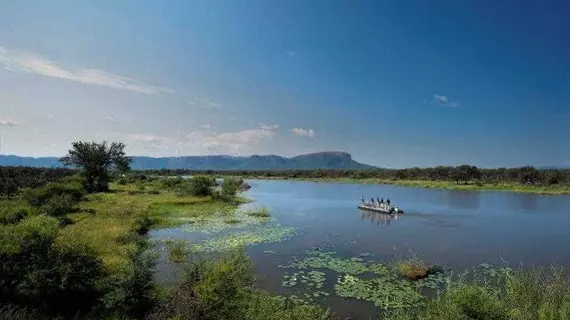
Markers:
<point>320,160</point>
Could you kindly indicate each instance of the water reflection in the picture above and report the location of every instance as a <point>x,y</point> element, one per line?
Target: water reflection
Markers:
<point>464,199</point>
<point>378,218</point>
<point>523,202</point>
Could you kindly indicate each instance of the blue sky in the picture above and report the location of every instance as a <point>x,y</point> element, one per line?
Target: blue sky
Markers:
<point>395,83</point>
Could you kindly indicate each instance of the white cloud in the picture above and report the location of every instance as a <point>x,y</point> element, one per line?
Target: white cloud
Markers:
<point>111,119</point>
<point>149,140</point>
<point>443,101</point>
<point>233,142</point>
<point>9,123</point>
<point>204,103</point>
<point>291,53</point>
<point>25,62</point>
<point>303,132</point>
<point>206,126</point>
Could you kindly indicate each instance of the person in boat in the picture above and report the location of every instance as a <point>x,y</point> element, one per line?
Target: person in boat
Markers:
<point>372,201</point>
<point>388,201</point>
<point>362,199</point>
<point>382,200</point>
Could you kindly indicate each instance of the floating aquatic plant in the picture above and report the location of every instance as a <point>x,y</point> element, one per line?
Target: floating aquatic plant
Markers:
<point>327,260</point>
<point>386,293</point>
<point>240,239</point>
<point>222,222</point>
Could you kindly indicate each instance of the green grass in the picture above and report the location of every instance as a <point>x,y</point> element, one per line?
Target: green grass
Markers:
<point>109,221</point>
<point>262,212</point>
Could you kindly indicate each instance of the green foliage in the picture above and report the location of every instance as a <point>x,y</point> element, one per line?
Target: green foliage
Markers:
<point>130,291</point>
<point>58,206</point>
<point>222,289</point>
<point>527,176</point>
<point>178,250</point>
<point>96,160</point>
<point>40,273</point>
<point>41,196</point>
<point>199,186</point>
<point>13,179</point>
<point>262,212</point>
<point>414,269</point>
<point>9,214</point>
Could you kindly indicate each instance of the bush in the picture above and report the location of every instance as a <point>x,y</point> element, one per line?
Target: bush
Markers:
<point>200,186</point>
<point>130,292</point>
<point>9,215</point>
<point>414,269</point>
<point>41,196</point>
<point>58,205</point>
<point>56,279</point>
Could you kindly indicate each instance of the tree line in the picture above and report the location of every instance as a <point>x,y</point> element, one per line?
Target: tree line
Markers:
<point>464,174</point>
<point>13,179</point>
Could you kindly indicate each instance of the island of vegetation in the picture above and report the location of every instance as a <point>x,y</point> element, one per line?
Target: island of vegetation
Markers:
<point>464,177</point>
<point>74,244</point>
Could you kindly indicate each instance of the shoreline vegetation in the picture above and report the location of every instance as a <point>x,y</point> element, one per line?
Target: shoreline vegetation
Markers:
<point>464,177</point>
<point>444,185</point>
<point>75,245</point>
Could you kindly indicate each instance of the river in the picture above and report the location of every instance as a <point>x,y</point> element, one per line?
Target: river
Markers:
<point>457,229</point>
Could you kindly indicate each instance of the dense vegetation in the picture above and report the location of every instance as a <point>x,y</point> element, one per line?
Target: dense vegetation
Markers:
<point>13,179</point>
<point>68,252</point>
<point>463,174</point>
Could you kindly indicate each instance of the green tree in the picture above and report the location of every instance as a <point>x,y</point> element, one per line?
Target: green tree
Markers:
<point>96,160</point>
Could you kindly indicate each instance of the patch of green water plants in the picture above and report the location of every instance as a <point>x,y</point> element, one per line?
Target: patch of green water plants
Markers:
<point>223,222</point>
<point>245,238</point>
<point>384,292</point>
<point>327,260</point>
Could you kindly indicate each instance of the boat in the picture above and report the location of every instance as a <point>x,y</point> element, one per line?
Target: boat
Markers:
<point>381,209</point>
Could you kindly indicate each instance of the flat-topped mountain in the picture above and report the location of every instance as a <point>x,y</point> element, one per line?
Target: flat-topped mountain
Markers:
<point>319,160</point>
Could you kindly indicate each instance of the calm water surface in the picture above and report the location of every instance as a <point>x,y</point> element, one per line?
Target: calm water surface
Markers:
<point>458,229</point>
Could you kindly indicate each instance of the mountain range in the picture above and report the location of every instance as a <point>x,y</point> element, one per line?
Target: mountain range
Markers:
<point>320,160</point>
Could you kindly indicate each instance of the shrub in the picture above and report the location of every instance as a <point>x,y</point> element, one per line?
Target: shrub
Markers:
<point>130,292</point>
<point>262,212</point>
<point>414,269</point>
<point>178,250</point>
<point>37,272</point>
<point>58,205</point>
<point>41,196</point>
<point>200,185</point>
<point>9,215</point>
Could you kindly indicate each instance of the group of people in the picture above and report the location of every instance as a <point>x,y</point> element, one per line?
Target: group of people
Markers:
<point>378,203</point>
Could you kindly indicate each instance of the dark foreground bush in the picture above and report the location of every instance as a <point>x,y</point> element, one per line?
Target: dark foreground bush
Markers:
<point>223,290</point>
<point>38,273</point>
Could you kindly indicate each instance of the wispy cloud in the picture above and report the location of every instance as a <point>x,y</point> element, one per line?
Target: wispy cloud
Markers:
<point>206,126</point>
<point>149,140</point>
<point>25,62</point>
<point>303,132</point>
<point>204,103</point>
<point>233,142</point>
<point>111,119</point>
<point>9,123</point>
<point>443,101</point>
<point>291,53</point>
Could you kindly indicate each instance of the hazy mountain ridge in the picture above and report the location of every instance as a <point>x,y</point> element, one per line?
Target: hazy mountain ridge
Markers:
<point>319,160</point>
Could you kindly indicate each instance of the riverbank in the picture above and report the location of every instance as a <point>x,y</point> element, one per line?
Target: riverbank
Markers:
<point>431,184</point>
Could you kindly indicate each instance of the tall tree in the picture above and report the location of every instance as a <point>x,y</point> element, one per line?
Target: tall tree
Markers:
<point>96,160</point>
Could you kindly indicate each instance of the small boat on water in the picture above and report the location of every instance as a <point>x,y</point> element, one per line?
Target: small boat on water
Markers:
<point>381,209</point>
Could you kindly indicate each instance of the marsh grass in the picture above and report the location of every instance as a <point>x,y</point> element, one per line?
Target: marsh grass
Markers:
<point>178,250</point>
<point>111,222</point>
<point>262,212</point>
<point>414,269</point>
